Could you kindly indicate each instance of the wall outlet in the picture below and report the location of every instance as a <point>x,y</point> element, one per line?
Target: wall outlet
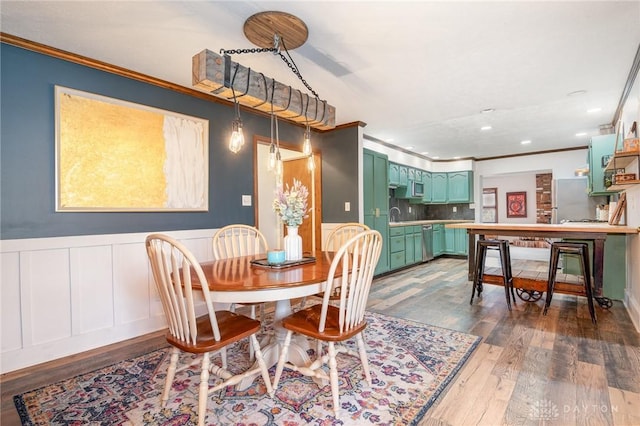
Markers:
<point>455,209</point>
<point>409,209</point>
<point>347,206</point>
<point>246,200</point>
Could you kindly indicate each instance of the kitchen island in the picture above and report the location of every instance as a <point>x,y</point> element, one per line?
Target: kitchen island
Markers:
<point>595,232</point>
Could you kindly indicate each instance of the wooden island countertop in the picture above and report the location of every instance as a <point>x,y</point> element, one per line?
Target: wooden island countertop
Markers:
<point>591,231</point>
<point>590,227</point>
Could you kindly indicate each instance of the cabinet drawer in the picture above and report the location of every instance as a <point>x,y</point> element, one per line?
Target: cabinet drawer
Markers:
<point>397,260</point>
<point>396,231</point>
<point>396,244</point>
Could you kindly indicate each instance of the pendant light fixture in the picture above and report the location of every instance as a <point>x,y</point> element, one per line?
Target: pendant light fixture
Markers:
<point>237,137</point>
<point>306,145</point>
<point>275,159</point>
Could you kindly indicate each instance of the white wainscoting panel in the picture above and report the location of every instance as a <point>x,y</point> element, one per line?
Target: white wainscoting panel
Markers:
<point>65,295</point>
<point>46,296</point>
<point>10,325</point>
<point>91,289</point>
<point>132,283</point>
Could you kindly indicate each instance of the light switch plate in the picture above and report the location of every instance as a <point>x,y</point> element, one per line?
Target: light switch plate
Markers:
<point>246,200</point>
<point>347,206</point>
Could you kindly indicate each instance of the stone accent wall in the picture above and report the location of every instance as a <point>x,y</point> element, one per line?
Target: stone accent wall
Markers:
<point>543,197</point>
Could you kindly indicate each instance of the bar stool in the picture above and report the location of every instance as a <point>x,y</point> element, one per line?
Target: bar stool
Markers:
<point>571,248</point>
<point>505,263</point>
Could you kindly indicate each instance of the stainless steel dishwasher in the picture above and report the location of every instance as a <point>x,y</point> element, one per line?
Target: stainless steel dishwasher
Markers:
<point>427,242</point>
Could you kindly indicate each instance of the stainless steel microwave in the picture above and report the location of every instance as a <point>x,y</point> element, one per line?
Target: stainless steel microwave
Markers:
<point>417,189</point>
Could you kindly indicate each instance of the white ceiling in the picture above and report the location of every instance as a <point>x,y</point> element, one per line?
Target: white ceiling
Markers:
<point>417,72</point>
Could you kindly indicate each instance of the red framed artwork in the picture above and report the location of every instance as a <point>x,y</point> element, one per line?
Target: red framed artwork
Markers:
<point>516,204</point>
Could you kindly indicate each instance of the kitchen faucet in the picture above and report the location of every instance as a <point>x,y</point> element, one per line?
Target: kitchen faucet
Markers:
<point>391,214</point>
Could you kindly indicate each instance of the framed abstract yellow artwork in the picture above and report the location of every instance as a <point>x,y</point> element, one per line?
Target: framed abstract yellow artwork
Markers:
<point>114,155</point>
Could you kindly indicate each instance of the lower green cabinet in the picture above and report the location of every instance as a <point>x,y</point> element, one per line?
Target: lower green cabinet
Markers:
<point>456,241</point>
<point>438,239</point>
<point>614,270</point>
<point>413,244</point>
<point>397,247</point>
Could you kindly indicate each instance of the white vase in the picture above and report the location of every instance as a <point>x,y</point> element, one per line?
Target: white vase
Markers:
<point>293,244</point>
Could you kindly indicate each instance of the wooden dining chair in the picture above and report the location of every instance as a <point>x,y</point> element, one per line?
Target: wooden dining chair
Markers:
<point>240,240</point>
<point>336,238</point>
<point>174,268</point>
<point>338,320</point>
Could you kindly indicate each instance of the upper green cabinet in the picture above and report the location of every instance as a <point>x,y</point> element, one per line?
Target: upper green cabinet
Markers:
<point>460,187</point>
<point>398,175</point>
<point>439,183</point>
<point>600,150</point>
<point>437,187</point>
<point>427,181</point>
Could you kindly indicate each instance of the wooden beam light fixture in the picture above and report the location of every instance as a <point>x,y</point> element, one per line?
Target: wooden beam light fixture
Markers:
<point>222,77</point>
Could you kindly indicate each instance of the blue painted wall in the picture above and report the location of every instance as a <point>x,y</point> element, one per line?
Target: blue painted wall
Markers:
<point>27,152</point>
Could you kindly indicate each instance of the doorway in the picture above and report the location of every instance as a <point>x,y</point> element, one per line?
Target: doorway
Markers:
<point>265,183</point>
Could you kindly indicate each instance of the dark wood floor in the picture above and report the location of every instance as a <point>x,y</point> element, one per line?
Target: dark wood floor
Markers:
<point>530,369</point>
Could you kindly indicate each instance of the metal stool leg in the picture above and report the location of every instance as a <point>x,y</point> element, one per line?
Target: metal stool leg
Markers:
<point>506,279</point>
<point>584,259</point>
<point>510,273</point>
<point>479,272</point>
<point>551,280</point>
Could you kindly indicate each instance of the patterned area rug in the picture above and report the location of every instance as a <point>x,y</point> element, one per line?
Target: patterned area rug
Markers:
<point>411,365</point>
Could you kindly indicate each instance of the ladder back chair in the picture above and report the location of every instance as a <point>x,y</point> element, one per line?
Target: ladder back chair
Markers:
<point>174,269</point>
<point>341,319</point>
<point>336,239</point>
<point>238,240</point>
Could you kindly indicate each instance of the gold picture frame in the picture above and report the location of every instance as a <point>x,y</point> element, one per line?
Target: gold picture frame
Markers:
<point>113,155</point>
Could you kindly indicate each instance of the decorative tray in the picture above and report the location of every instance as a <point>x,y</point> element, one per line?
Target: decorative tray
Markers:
<point>286,264</point>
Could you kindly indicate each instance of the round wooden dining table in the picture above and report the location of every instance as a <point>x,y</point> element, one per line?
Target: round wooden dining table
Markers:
<point>241,280</point>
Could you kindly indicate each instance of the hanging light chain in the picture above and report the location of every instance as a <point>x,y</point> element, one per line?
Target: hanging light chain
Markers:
<point>275,51</point>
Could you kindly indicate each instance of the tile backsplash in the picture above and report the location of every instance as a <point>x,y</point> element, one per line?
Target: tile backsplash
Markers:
<point>427,212</point>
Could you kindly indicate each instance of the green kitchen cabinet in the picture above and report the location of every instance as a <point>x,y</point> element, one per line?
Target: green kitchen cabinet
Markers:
<point>411,174</point>
<point>394,174</point>
<point>376,201</point>
<point>397,247</point>
<point>417,244</point>
<point>413,244</point>
<point>461,244</point>
<point>427,181</point>
<point>439,187</point>
<point>409,248</point>
<point>449,240</point>
<point>404,175</point>
<point>398,175</point>
<point>460,187</point>
<point>456,241</point>
<point>600,150</point>
<point>438,239</point>
<point>614,270</point>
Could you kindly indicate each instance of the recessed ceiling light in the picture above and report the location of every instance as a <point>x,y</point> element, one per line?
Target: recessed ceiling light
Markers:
<point>525,142</point>
<point>581,134</point>
<point>424,152</point>
<point>456,158</point>
<point>592,110</point>
<point>487,110</point>
<point>389,140</point>
<point>485,128</point>
<point>409,147</point>
<point>435,158</point>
